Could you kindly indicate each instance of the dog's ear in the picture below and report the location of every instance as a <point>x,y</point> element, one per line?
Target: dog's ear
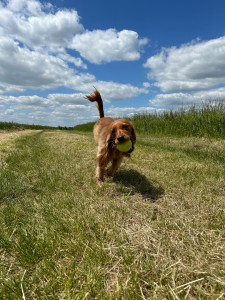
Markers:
<point>104,157</point>
<point>107,151</point>
<point>110,139</point>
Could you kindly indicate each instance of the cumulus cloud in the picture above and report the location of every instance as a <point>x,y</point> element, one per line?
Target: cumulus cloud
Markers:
<point>59,109</point>
<point>101,46</point>
<point>55,109</point>
<point>52,101</point>
<point>21,68</point>
<point>37,44</point>
<point>30,101</point>
<point>114,90</point>
<point>77,61</point>
<point>196,98</point>
<point>37,25</point>
<point>33,50</point>
<point>29,7</point>
<point>33,46</point>
<point>29,23</point>
<point>191,67</point>
<point>118,112</point>
<point>75,99</point>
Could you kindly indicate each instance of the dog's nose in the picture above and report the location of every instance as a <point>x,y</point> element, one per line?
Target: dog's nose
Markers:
<point>120,138</point>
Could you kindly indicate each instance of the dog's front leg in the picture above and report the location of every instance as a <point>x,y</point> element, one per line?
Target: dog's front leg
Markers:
<point>115,165</point>
<point>99,174</point>
<point>102,162</point>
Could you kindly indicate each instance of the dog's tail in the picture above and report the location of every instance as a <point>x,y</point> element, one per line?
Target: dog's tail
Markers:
<point>96,97</point>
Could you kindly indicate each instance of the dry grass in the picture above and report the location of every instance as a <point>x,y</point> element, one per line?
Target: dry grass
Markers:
<point>7,143</point>
<point>155,231</point>
<point>11,135</point>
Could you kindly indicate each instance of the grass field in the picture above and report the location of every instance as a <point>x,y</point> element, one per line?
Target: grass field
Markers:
<point>206,120</point>
<point>155,231</point>
<point>12,126</point>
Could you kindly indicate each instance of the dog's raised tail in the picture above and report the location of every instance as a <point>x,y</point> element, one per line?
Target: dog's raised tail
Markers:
<point>96,97</point>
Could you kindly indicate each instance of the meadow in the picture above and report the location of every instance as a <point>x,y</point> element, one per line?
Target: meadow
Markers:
<point>206,120</point>
<point>154,231</point>
<point>13,126</point>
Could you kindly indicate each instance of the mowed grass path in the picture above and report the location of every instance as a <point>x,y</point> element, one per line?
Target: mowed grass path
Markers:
<point>155,231</point>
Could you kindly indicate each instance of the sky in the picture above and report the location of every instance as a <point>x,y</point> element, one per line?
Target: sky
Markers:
<point>143,56</point>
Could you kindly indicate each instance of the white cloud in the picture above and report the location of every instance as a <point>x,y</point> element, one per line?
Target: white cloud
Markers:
<point>101,46</point>
<point>194,66</point>
<point>52,101</point>
<point>36,54</point>
<point>146,84</point>
<point>76,99</point>
<point>113,90</point>
<point>28,6</point>
<point>119,112</point>
<point>59,109</point>
<point>56,109</point>
<point>183,99</point>
<point>27,21</point>
<point>74,60</point>
<point>23,100</point>
<point>37,28</point>
<point>21,68</point>
<point>33,51</point>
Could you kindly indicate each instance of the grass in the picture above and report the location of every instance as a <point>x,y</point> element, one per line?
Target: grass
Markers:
<point>155,231</point>
<point>208,120</point>
<point>88,127</point>
<point>17,126</point>
<point>12,126</point>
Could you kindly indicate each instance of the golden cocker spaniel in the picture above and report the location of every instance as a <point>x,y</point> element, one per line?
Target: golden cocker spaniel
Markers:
<point>108,133</point>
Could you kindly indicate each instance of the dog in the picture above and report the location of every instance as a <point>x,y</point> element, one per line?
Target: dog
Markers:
<point>108,133</point>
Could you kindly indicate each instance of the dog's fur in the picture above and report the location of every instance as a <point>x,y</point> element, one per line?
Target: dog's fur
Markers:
<point>108,133</point>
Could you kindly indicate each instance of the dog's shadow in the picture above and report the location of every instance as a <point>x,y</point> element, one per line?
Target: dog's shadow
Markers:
<point>138,184</point>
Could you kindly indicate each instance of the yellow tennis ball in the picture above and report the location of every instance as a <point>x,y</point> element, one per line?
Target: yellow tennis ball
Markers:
<point>124,147</point>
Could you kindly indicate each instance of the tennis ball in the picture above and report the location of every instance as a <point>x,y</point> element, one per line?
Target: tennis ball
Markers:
<point>124,147</point>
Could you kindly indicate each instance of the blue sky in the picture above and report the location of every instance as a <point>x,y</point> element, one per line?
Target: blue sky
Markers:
<point>143,56</point>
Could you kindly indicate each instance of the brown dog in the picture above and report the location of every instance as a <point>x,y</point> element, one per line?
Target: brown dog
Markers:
<point>108,133</point>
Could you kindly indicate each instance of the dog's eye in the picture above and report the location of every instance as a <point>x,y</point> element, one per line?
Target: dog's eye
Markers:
<point>124,126</point>
<point>113,131</point>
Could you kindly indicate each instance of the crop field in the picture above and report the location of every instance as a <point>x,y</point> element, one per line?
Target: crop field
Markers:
<point>154,231</point>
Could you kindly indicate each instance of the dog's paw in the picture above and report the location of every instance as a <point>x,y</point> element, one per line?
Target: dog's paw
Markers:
<point>100,183</point>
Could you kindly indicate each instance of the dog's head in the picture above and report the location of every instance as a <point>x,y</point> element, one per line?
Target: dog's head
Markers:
<point>121,131</point>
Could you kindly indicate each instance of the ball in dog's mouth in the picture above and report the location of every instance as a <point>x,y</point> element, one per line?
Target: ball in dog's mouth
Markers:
<point>125,147</point>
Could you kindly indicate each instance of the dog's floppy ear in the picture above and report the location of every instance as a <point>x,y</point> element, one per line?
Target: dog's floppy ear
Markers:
<point>104,157</point>
<point>106,152</point>
<point>110,139</point>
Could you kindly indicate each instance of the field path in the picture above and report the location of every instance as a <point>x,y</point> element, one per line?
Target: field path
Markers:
<point>7,141</point>
<point>154,231</point>
<point>6,135</point>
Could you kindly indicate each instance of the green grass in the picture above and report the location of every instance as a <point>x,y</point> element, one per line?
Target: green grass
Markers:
<point>18,126</point>
<point>88,127</point>
<point>12,126</point>
<point>208,120</point>
<point>155,231</point>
